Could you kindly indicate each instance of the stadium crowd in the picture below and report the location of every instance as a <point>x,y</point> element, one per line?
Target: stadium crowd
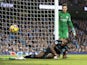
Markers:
<point>28,42</point>
<point>80,27</point>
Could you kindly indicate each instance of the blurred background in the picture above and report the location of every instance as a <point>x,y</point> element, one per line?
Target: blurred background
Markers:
<point>36,26</point>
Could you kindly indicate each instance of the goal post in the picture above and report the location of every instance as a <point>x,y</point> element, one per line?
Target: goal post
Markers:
<point>56,8</point>
<point>56,24</point>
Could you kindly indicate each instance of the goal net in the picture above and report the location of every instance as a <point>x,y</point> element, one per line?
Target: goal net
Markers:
<point>35,25</point>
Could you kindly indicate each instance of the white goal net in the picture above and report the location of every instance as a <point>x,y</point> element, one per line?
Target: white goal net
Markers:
<point>35,24</point>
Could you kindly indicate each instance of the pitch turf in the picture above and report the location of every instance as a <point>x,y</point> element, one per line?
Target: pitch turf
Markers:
<point>71,60</point>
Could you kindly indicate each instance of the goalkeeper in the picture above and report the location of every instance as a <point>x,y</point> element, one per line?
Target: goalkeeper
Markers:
<point>64,23</point>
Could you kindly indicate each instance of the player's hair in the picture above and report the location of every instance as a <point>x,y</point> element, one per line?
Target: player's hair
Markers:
<point>64,4</point>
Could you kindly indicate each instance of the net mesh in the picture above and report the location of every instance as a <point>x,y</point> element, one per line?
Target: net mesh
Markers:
<point>35,25</point>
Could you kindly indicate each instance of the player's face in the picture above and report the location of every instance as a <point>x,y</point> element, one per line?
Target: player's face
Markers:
<point>64,9</point>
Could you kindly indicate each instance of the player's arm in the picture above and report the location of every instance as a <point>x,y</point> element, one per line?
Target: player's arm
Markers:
<point>52,48</point>
<point>71,25</point>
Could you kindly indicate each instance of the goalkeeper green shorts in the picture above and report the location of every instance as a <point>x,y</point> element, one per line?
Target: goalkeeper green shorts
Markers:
<point>64,34</point>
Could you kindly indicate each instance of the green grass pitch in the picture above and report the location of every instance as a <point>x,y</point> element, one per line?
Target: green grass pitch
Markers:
<point>71,60</point>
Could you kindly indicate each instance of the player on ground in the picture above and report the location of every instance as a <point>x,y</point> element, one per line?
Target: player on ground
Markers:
<point>47,52</point>
<point>44,54</point>
<point>64,23</point>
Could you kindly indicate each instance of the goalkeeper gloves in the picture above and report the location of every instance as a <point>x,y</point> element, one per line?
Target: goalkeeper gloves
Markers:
<point>74,32</point>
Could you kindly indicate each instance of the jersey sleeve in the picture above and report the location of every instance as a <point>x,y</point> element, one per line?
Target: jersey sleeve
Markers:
<point>70,22</point>
<point>71,25</point>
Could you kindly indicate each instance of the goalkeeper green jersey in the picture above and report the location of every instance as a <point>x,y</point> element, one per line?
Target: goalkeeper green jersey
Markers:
<point>64,22</point>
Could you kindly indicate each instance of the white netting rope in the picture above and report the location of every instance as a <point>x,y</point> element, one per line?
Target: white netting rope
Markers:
<point>35,24</point>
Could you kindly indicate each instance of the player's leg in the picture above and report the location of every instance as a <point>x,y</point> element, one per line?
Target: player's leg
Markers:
<point>52,48</point>
<point>33,55</point>
<point>58,50</point>
<point>29,56</point>
<point>64,54</point>
<point>40,55</point>
<point>49,56</point>
<point>44,54</point>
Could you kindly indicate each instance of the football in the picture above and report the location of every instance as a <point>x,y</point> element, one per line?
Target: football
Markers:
<point>14,28</point>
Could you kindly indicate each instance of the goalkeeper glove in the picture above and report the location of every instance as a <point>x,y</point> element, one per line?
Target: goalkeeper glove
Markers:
<point>74,32</point>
